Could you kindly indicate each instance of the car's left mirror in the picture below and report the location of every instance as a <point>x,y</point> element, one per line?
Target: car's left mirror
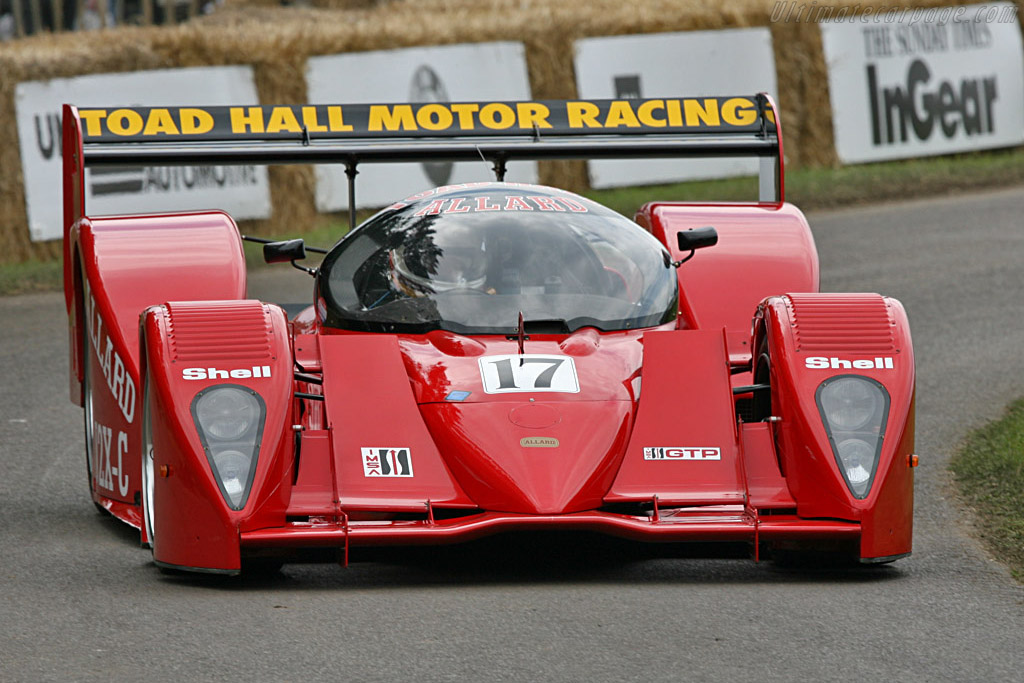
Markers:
<point>287,250</point>
<point>697,238</point>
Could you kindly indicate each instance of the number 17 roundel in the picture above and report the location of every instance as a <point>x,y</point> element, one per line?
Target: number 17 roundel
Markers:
<point>529,372</point>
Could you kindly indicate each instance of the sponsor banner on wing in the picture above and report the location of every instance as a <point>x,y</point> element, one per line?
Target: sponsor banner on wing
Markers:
<point>453,73</point>
<point>313,124</point>
<point>663,65</point>
<point>930,81</point>
<point>241,190</point>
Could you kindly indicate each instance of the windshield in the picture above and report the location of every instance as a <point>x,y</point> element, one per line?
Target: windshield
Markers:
<point>470,258</point>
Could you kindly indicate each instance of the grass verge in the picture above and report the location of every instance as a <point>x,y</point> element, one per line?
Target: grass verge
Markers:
<point>989,472</point>
<point>808,188</point>
<point>31,276</point>
<point>825,188</point>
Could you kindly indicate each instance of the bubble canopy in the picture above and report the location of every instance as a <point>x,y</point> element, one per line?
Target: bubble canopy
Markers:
<point>470,258</point>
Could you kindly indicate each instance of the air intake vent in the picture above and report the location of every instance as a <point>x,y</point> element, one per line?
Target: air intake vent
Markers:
<point>851,323</point>
<point>220,330</point>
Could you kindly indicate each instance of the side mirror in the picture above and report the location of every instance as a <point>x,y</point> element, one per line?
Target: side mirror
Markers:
<point>288,250</point>
<point>697,238</point>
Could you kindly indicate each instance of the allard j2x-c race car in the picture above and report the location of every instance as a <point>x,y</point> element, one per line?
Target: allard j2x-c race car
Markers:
<point>481,358</point>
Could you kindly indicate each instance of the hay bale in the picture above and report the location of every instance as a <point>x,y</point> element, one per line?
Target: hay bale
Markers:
<point>803,95</point>
<point>38,58</point>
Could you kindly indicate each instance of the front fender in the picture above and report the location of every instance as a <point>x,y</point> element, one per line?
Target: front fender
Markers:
<point>810,338</point>
<point>194,346</point>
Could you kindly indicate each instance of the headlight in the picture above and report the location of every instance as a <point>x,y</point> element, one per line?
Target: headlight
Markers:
<point>227,413</point>
<point>229,420</point>
<point>849,402</point>
<point>857,460</point>
<point>854,410</point>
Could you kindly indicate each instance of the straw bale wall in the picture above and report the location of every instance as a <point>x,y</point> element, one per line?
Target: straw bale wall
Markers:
<point>277,40</point>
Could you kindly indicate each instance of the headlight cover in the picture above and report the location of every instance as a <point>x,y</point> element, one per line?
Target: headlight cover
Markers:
<point>229,419</point>
<point>855,411</point>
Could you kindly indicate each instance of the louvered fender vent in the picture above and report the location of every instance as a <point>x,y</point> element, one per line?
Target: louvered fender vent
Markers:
<point>220,330</point>
<point>851,323</point>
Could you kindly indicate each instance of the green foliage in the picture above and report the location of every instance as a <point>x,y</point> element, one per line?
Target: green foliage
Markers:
<point>818,188</point>
<point>31,276</point>
<point>989,472</point>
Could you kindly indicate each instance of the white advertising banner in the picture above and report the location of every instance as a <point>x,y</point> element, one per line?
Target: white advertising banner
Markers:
<point>684,64</point>
<point>453,73</point>
<point>928,81</point>
<point>242,191</point>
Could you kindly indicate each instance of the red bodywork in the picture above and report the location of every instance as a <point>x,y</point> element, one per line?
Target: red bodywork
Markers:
<point>492,462</point>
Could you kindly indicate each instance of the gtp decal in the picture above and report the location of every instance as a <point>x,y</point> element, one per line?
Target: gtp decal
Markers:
<point>533,373</point>
<point>683,453</point>
<point>386,462</point>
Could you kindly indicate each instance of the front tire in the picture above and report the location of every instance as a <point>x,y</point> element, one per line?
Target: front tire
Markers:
<point>762,400</point>
<point>87,400</point>
<point>148,470</point>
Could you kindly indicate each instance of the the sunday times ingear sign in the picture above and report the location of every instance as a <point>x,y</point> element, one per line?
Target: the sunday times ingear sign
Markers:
<point>694,63</point>
<point>242,191</point>
<point>924,82</point>
<point>453,73</point>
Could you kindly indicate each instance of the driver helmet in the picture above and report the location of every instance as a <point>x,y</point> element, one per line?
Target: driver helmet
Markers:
<point>442,264</point>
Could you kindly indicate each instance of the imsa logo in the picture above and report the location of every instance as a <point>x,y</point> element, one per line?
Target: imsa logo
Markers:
<point>386,462</point>
<point>689,453</point>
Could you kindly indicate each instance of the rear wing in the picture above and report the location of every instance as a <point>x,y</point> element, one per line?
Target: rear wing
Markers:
<point>352,134</point>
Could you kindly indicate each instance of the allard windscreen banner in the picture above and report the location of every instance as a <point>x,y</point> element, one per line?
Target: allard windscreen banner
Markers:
<point>242,191</point>
<point>450,73</point>
<point>918,82</point>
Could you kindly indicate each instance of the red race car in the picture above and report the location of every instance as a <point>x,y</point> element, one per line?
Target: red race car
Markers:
<point>481,358</point>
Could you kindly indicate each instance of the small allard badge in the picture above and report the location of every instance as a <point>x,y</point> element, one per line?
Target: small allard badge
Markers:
<point>538,442</point>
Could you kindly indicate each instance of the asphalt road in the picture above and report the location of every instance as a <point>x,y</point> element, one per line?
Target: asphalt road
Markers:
<point>80,601</point>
